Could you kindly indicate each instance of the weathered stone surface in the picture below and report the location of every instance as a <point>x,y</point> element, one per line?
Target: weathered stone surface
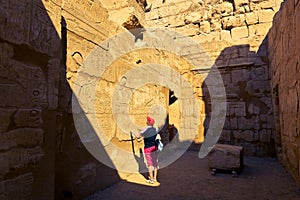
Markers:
<point>19,158</point>
<point>265,135</point>
<point>27,137</point>
<point>238,3</point>
<point>258,88</point>
<point>240,75</point>
<point>259,29</point>
<point>53,66</point>
<point>17,188</point>
<point>87,175</point>
<point>253,109</point>
<point>205,27</point>
<point>33,92</point>
<point>239,32</point>
<point>237,109</point>
<point>282,48</point>
<point>5,119</point>
<point>225,136</point>
<point>32,65</point>
<point>233,21</point>
<point>260,73</point>
<point>251,18</point>
<point>225,35</point>
<point>42,32</point>
<point>226,157</point>
<point>12,29</point>
<point>250,136</point>
<point>28,118</point>
<point>225,8</point>
<point>265,15</point>
<point>233,123</point>
<point>245,124</point>
<point>237,135</point>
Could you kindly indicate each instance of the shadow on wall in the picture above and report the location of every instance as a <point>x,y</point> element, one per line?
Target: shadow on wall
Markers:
<point>78,173</point>
<point>249,117</point>
<point>41,156</point>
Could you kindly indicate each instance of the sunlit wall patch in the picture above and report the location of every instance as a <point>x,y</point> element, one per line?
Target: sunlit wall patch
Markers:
<point>99,60</point>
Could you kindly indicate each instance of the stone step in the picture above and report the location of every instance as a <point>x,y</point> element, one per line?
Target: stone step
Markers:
<point>226,157</point>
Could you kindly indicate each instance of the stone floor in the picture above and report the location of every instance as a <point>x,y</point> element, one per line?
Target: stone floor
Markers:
<point>189,178</point>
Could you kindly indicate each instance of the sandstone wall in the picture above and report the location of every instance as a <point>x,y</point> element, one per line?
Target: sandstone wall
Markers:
<point>29,77</point>
<point>283,54</point>
<point>216,24</point>
<point>232,32</point>
<point>41,153</point>
<point>43,45</point>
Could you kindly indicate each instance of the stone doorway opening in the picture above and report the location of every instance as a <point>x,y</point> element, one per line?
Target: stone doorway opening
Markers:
<point>174,116</point>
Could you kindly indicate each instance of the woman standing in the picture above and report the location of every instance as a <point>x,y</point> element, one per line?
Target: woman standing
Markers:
<point>150,149</point>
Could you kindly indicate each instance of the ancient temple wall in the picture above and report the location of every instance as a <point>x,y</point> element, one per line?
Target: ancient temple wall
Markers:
<point>43,45</point>
<point>30,70</point>
<point>283,54</point>
<point>232,33</point>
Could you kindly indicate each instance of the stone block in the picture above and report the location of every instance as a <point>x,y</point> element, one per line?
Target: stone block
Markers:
<point>225,8</point>
<point>43,36</point>
<point>267,121</point>
<point>207,38</point>
<point>249,136</point>
<point>225,35</point>
<point>239,3</point>
<point>265,135</point>
<point>249,149</point>
<point>260,29</point>
<point>233,123</point>
<point>28,118</point>
<point>189,29</point>
<point>205,27</point>
<point>246,124</point>
<point>7,52</point>
<point>239,32</point>
<point>253,109</point>
<point>21,157</point>
<point>260,73</point>
<point>226,157</point>
<point>237,109</point>
<point>240,75</point>
<point>225,136</point>
<point>19,187</point>
<point>233,21</point>
<point>13,29</point>
<point>192,17</point>
<point>265,15</point>
<point>251,18</point>
<point>237,135</point>
<point>5,116</point>
<point>4,165</point>
<point>258,88</point>
<point>27,81</point>
<point>216,25</point>
<point>267,101</point>
<point>267,4</point>
<point>26,137</point>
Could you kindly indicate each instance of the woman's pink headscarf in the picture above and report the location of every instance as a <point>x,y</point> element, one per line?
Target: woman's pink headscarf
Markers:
<point>150,120</point>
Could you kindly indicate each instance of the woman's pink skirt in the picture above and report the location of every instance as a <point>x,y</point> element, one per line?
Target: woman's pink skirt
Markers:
<point>151,156</point>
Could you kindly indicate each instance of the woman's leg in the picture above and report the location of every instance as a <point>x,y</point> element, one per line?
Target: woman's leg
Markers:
<point>155,174</point>
<point>151,169</point>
